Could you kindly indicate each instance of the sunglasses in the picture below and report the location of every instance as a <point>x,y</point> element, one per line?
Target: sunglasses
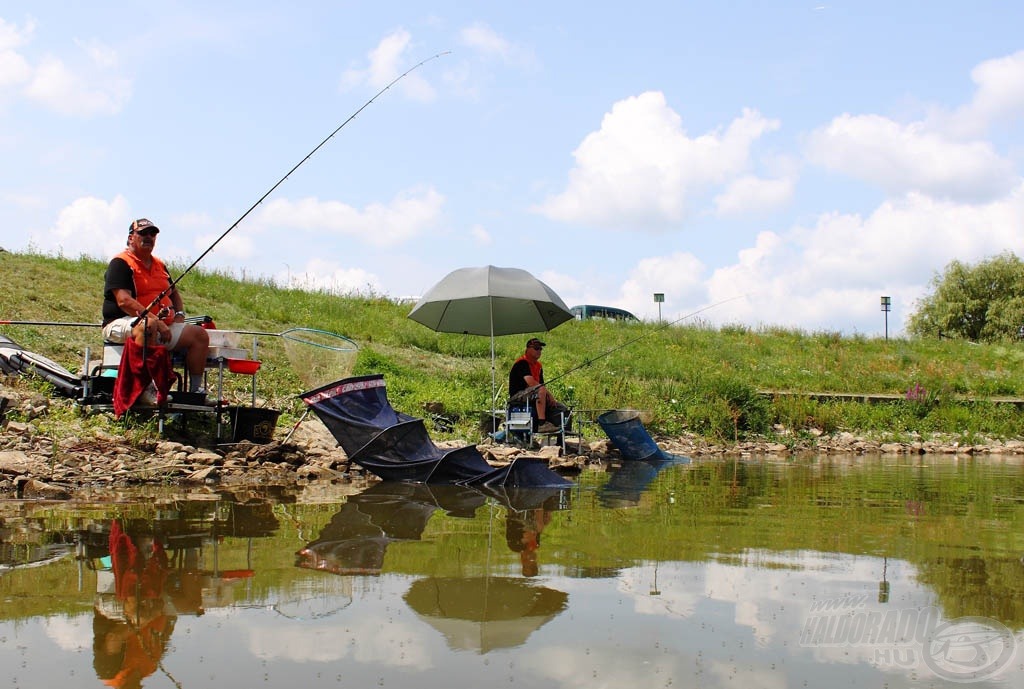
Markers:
<point>148,232</point>
<point>537,347</point>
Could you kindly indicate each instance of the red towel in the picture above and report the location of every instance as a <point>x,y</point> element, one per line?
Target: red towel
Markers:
<point>135,373</point>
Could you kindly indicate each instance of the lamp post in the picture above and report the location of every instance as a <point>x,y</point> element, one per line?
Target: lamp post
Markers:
<point>886,307</point>
<point>659,298</point>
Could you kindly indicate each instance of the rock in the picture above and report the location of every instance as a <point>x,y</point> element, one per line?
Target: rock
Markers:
<point>31,488</point>
<point>17,462</point>
<point>204,475</point>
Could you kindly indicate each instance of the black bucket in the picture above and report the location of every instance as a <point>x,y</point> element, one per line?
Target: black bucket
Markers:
<point>255,424</point>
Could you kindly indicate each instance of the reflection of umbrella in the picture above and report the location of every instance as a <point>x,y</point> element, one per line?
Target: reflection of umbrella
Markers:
<point>484,613</point>
<point>490,301</point>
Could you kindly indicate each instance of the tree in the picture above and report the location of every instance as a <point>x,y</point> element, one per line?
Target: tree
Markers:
<point>983,302</point>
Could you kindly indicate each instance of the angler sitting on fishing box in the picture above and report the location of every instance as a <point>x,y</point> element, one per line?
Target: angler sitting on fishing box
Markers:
<point>141,303</point>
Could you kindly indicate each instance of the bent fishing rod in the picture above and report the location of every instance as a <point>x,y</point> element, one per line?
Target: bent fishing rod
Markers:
<point>288,174</point>
<point>636,339</point>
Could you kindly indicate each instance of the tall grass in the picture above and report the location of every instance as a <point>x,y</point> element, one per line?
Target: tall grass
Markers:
<point>688,377</point>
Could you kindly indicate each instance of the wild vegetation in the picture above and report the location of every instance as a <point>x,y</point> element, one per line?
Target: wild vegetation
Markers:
<point>688,377</point>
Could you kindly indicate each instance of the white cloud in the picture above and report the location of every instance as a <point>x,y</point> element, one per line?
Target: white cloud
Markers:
<point>87,226</point>
<point>679,276</point>
<point>14,68</point>
<point>82,93</point>
<point>488,42</point>
<point>832,274</point>
<point>640,170</point>
<point>69,633</point>
<point>386,62</point>
<point>480,235</point>
<point>408,215</point>
<point>320,644</point>
<point>320,274</point>
<point>11,36</point>
<point>999,97</point>
<point>902,158</point>
<point>751,194</point>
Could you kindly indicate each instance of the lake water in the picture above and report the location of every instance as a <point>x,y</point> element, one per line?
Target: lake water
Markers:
<point>859,572</point>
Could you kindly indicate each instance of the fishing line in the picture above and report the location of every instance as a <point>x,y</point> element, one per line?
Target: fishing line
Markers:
<point>661,327</point>
<point>309,155</point>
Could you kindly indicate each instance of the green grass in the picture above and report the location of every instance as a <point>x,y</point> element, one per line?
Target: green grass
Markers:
<point>689,377</point>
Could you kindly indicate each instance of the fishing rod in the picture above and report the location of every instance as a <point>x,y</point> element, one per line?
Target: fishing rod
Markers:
<point>68,325</point>
<point>299,164</point>
<point>588,362</point>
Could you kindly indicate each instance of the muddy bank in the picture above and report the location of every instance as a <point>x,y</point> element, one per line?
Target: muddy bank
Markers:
<point>37,465</point>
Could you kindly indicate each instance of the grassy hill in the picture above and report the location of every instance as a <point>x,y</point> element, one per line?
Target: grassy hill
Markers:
<point>689,377</point>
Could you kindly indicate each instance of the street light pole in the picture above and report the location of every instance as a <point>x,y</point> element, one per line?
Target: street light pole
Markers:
<point>886,307</point>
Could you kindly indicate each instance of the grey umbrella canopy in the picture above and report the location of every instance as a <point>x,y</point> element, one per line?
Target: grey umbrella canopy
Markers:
<point>490,301</point>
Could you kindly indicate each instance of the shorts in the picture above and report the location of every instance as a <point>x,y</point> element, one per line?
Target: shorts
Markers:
<point>120,330</point>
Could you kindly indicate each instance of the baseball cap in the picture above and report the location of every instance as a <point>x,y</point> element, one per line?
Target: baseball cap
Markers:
<point>141,224</point>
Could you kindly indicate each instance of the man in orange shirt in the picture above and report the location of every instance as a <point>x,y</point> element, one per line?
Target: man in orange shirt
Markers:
<point>136,277</point>
<point>527,375</point>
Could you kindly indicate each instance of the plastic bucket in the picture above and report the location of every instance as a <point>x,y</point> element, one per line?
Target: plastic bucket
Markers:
<point>255,424</point>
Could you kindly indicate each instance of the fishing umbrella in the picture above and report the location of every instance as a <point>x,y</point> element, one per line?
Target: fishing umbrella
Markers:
<point>490,301</point>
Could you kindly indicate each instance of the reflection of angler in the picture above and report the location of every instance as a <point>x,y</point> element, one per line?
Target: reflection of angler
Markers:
<point>128,648</point>
<point>137,574</point>
<point>522,533</point>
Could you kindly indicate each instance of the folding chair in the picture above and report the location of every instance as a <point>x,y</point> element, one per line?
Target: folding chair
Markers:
<point>519,425</point>
<point>564,429</point>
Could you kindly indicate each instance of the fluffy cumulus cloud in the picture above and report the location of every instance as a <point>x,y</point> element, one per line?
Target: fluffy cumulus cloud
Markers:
<point>831,274</point>
<point>680,275</point>
<point>902,158</point>
<point>407,216</point>
<point>86,227</point>
<point>641,170</point>
<point>750,194</point>
<point>999,97</point>
<point>385,62</point>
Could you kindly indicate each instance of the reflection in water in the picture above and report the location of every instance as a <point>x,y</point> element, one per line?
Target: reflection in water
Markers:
<point>147,574</point>
<point>355,540</point>
<point>716,574</point>
<point>484,613</point>
<point>629,480</point>
<point>132,623</point>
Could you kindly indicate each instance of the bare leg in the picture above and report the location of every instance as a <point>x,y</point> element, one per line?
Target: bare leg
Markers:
<point>197,341</point>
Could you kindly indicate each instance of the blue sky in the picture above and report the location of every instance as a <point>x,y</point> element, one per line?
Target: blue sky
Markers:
<point>785,164</point>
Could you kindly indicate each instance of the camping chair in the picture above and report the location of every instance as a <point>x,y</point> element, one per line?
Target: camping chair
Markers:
<point>564,430</point>
<point>519,424</point>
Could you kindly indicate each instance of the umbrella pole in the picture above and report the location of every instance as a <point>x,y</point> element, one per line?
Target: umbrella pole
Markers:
<point>494,420</point>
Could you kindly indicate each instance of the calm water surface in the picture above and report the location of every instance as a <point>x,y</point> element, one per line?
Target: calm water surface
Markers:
<point>834,572</point>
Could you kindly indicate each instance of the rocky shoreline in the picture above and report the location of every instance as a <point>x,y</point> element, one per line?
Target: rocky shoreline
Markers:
<point>37,466</point>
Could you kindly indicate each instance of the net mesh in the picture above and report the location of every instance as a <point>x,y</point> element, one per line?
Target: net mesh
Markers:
<point>319,357</point>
